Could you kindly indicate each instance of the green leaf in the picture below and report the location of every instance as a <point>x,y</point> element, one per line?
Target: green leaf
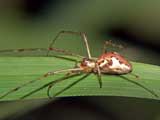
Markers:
<point>15,71</point>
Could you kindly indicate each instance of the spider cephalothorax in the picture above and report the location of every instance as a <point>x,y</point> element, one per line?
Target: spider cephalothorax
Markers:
<point>88,65</point>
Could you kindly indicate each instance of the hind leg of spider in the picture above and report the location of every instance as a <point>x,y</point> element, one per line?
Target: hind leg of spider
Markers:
<point>109,43</point>
<point>83,36</point>
<point>67,74</point>
<point>134,75</point>
<point>66,88</point>
<point>40,78</point>
<point>140,85</point>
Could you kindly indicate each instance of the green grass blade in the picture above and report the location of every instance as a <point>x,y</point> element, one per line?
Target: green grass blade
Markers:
<point>15,71</point>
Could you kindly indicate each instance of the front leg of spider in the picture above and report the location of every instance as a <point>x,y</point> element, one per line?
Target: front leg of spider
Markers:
<point>49,83</point>
<point>66,88</point>
<point>81,34</point>
<point>25,84</point>
<point>76,70</point>
<point>70,73</point>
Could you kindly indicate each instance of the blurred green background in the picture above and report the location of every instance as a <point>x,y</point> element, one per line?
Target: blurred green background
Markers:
<point>133,24</point>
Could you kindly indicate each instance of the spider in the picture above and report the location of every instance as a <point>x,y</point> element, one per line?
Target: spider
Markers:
<point>108,63</point>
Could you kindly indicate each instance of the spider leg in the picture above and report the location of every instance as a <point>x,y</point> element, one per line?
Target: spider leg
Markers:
<point>66,58</point>
<point>83,36</point>
<point>109,43</point>
<point>136,76</point>
<point>22,50</point>
<point>66,88</point>
<point>66,52</point>
<point>41,49</point>
<point>52,82</point>
<point>140,85</point>
<point>40,78</point>
<point>99,76</point>
<point>67,74</point>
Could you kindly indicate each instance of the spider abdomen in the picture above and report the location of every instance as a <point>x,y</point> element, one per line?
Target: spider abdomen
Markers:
<point>113,63</point>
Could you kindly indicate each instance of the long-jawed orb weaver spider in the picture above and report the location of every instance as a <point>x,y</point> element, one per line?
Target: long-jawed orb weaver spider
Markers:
<point>108,63</point>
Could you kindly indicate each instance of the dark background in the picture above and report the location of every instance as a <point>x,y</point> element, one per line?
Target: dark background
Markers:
<point>133,24</point>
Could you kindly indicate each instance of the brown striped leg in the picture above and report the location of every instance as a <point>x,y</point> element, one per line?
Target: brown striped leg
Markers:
<point>41,78</point>
<point>99,76</point>
<point>84,38</point>
<point>49,83</point>
<point>140,85</point>
<point>41,49</point>
<point>66,88</point>
<point>109,43</point>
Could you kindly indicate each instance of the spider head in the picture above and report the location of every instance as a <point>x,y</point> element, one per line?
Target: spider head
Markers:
<point>88,64</point>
